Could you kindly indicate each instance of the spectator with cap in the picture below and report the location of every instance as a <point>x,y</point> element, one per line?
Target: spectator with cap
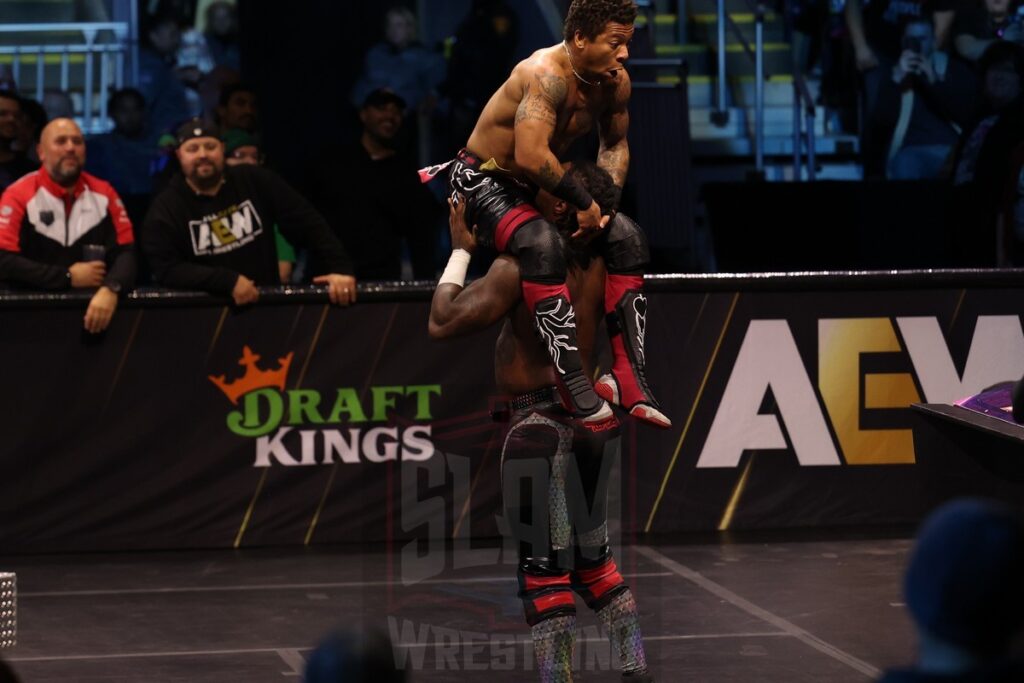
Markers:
<point>965,593</point>
<point>242,147</point>
<point>373,198</point>
<point>13,164</point>
<point>402,64</point>
<point>210,228</point>
<point>60,228</point>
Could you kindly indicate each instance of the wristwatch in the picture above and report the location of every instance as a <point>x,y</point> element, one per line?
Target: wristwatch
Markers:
<point>114,286</point>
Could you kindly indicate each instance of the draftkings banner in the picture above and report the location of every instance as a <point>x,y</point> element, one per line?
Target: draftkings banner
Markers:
<point>190,424</point>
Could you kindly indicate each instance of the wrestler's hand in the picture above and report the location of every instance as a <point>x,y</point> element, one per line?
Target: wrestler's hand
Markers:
<point>462,236</point>
<point>341,289</point>
<point>590,221</point>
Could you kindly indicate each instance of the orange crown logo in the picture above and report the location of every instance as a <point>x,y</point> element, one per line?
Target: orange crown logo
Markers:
<point>254,378</point>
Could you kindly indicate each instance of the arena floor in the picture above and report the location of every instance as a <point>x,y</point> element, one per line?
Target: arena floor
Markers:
<point>738,611</point>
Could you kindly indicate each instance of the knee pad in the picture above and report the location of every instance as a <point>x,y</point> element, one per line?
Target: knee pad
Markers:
<point>541,254</point>
<point>598,581</point>
<point>625,248</point>
<point>546,590</point>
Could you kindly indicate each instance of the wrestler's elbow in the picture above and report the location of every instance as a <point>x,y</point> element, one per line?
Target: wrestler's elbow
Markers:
<point>438,329</point>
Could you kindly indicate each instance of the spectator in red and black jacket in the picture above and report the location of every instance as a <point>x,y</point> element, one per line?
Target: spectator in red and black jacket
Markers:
<point>51,219</point>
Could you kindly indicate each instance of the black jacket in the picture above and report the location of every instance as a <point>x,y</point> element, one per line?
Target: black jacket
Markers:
<point>193,241</point>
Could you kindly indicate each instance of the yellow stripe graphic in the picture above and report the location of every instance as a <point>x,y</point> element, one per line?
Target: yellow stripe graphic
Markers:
<point>693,409</point>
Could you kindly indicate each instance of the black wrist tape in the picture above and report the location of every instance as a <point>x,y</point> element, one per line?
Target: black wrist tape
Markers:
<point>570,189</point>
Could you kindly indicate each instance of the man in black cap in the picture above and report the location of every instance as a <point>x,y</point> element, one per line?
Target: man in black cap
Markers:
<point>211,229</point>
<point>371,195</point>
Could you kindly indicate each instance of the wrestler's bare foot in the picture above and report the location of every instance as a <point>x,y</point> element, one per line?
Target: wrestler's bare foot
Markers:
<point>607,387</point>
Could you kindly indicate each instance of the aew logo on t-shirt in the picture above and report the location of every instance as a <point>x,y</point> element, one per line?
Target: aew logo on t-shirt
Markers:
<point>225,230</point>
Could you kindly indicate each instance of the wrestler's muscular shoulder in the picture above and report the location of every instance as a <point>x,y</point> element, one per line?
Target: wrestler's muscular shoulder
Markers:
<point>539,75</point>
<point>544,74</point>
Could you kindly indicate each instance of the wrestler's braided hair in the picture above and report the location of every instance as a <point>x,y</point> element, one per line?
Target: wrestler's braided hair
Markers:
<point>589,16</point>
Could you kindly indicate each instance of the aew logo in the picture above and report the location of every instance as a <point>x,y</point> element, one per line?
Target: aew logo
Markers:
<point>847,398</point>
<point>225,230</point>
<point>293,427</point>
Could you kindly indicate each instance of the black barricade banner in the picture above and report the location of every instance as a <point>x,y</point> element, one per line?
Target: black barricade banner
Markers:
<point>202,426</point>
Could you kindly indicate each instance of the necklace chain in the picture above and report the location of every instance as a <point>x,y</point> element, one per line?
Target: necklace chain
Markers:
<point>571,66</point>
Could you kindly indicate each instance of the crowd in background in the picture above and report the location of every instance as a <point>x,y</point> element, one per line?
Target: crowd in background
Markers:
<point>933,87</point>
<point>415,104</point>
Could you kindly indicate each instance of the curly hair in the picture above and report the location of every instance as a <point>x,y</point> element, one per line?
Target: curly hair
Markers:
<point>590,16</point>
<point>598,183</point>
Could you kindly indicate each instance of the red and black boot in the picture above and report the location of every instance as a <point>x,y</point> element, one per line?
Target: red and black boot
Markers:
<point>626,384</point>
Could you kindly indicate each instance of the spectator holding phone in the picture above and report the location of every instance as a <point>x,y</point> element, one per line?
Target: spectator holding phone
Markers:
<point>923,107</point>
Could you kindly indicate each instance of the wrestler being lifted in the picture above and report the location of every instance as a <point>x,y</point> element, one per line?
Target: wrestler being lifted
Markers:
<point>552,98</point>
<point>555,466</point>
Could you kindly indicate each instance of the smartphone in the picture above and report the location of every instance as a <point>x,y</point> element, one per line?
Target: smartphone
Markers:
<point>913,43</point>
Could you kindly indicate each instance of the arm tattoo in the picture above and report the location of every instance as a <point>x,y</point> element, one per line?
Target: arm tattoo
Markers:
<point>534,107</point>
<point>554,89</point>
<point>615,160</point>
<point>521,109</point>
<point>542,104</point>
<point>614,154</point>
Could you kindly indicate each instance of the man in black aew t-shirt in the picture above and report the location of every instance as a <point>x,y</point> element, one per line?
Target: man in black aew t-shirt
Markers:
<point>212,228</point>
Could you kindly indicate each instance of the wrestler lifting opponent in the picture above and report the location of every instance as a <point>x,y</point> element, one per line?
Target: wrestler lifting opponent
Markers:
<point>555,465</point>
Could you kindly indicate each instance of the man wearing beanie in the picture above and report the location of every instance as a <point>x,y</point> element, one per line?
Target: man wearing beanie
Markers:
<point>211,229</point>
<point>965,592</point>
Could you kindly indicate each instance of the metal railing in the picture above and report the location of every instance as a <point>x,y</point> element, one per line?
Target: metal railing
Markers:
<point>803,104</point>
<point>103,47</point>
<point>720,113</point>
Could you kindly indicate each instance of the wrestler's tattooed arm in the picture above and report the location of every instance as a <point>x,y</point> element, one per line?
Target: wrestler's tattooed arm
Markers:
<point>544,95</point>
<point>456,310</point>
<point>613,124</point>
